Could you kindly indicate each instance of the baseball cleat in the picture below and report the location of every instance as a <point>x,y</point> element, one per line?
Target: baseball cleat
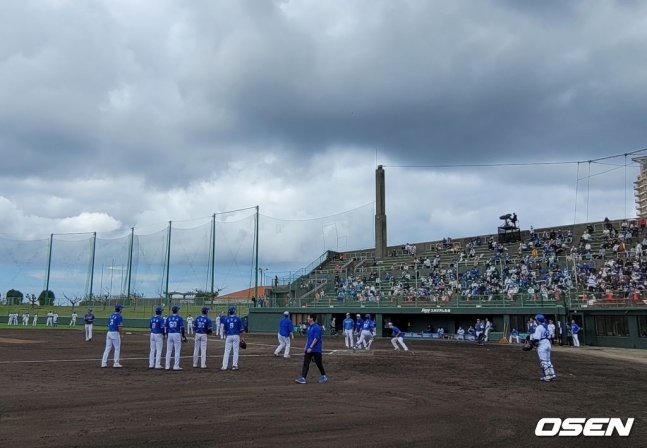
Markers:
<point>286,356</point>
<point>544,379</point>
<point>396,349</point>
<point>234,368</point>
<point>158,367</point>
<point>223,368</point>
<point>301,380</point>
<point>323,379</point>
<point>195,366</point>
<point>104,365</point>
<point>203,367</point>
<point>177,368</point>
<point>117,366</point>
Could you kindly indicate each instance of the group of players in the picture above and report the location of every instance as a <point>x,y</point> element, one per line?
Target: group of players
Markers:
<point>172,330</point>
<point>52,319</point>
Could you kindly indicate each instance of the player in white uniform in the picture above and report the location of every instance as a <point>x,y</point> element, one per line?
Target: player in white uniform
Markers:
<point>73,321</point>
<point>35,322</point>
<point>541,338</point>
<point>55,319</point>
<point>25,319</point>
<point>50,319</point>
<point>222,325</point>
<point>189,324</point>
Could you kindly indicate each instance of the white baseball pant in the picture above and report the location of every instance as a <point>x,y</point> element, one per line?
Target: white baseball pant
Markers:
<point>348,338</point>
<point>200,350</point>
<point>49,322</point>
<point>35,321</point>
<point>397,340</point>
<point>576,340</point>
<point>543,351</point>
<point>173,344</point>
<point>365,338</point>
<point>157,343</point>
<point>284,342</point>
<point>222,331</point>
<point>232,342</point>
<point>189,328</point>
<point>514,338</point>
<point>113,340</point>
<point>73,322</point>
<point>88,332</point>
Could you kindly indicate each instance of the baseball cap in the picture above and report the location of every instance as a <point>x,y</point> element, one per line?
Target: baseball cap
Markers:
<point>175,308</point>
<point>286,313</point>
<point>118,307</point>
<point>159,310</point>
<point>232,310</point>
<point>205,310</point>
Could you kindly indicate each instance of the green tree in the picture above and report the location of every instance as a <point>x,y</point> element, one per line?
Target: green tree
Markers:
<point>46,298</point>
<point>14,297</point>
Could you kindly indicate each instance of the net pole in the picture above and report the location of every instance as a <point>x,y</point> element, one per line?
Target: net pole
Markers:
<point>94,251</point>
<point>168,261</point>
<point>213,254</point>
<point>49,268</point>
<point>256,257</point>
<point>130,260</point>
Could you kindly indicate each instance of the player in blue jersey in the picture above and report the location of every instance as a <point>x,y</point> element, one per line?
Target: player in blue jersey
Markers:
<point>348,330</point>
<point>479,328</point>
<point>541,339</point>
<point>175,336</point>
<point>574,330</point>
<point>285,333</point>
<point>397,337</point>
<point>156,327</point>
<point>313,350</point>
<point>234,330</point>
<point>358,325</point>
<point>202,327</point>
<point>89,323</point>
<point>367,335</point>
<point>113,337</point>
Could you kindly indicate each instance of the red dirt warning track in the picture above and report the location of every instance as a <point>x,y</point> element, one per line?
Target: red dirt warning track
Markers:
<point>446,395</point>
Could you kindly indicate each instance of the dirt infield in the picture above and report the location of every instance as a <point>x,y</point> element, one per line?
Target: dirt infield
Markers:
<point>447,394</point>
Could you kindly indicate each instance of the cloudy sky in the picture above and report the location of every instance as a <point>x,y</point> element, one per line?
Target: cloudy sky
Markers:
<point>133,113</point>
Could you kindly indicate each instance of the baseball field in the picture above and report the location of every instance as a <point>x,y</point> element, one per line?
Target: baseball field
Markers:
<point>442,394</point>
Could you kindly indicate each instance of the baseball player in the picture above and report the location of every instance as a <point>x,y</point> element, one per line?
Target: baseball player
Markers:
<point>50,319</point>
<point>488,328</point>
<point>35,321</point>
<point>358,325</point>
<point>541,339</point>
<point>285,333</point>
<point>55,319</point>
<point>479,328</point>
<point>203,327</point>
<point>10,319</point>
<point>575,329</point>
<point>156,326</point>
<point>348,331</point>
<point>113,337</point>
<point>367,335</point>
<point>514,336</point>
<point>25,319</point>
<point>312,351</point>
<point>73,321</point>
<point>189,324</point>
<point>218,325</point>
<point>15,318</point>
<point>174,328</point>
<point>89,322</point>
<point>222,325</point>
<point>551,328</point>
<point>397,338</point>
<point>234,329</point>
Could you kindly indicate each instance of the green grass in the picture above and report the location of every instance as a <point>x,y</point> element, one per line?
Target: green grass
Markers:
<point>78,327</point>
<point>142,312</point>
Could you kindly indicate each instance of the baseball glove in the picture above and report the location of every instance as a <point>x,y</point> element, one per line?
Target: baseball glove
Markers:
<point>527,347</point>
<point>209,331</point>
<point>184,339</point>
<point>243,345</point>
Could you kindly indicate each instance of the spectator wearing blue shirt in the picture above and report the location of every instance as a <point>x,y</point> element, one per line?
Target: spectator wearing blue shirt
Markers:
<point>113,337</point>
<point>156,327</point>
<point>348,331</point>
<point>397,338</point>
<point>202,327</point>
<point>89,323</point>
<point>574,330</point>
<point>285,333</point>
<point>174,330</point>
<point>234,330</point>
<point>313,350</point>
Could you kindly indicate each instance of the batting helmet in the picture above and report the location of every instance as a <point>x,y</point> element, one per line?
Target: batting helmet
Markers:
<point>347,314</point>
<point>118,307</point>
<point>159,310</point>
<point>175,308</point>
<point>286,313</point>
<point>540,318</point>
<point>358,316</point>
<point>232,310</point>
<point>205,310</point>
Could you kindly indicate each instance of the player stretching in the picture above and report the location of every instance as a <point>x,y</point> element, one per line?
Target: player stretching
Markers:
<point>397,337</point>
<point>313,350</point>
<point>234,330</point>
<point>541,338</point>
<point>285,333</point>
<point>366,337</point>
<point>348,331</point>
<point>202,326</point>
<point>156,326</point>
<point>113,337</point>
<point>174,328</point>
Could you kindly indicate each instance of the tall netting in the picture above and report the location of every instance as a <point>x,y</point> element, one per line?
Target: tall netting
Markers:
<point>71,267</point>
<point>23,265</point>
<point>149,257</point>
<point>286,243</point>
<point>111,267</point>
<point>235,246</point>
<point>190,256</point>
